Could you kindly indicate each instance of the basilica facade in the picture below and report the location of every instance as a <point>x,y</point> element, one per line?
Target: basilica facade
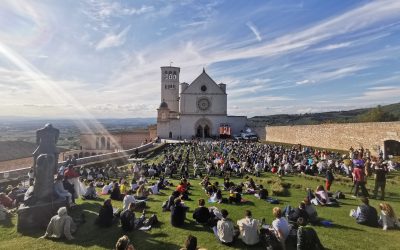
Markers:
<point>196,110</point>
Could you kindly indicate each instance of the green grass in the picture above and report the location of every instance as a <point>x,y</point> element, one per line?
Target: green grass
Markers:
<point>345,234</point>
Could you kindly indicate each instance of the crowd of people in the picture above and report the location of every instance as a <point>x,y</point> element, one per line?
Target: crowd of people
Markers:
<point>222,162</point>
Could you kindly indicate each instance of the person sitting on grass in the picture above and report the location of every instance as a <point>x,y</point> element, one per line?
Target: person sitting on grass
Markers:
<point>280,226</point>
<point>311,211</point>
<point>61,225</point>
<point>201,214</point>
<point>128,219</point>
<point>262,193</point>
<point>123,188</point>
<point>129,198</point>
<point>299,212</point>
<point>90,192</point>
<point>388,219</point>
<point>116,193</point>
<point>124,243</point>
<point>107,188</point>
<point>141,193</point>
<point>106,214</point>
<point>153,189</point>
<point>234,197</point>
<point>191,243</point>
<point>249,229</point>
<point>307,238</point>
<point>182,189</point>
<point>61,192</point>
<point>365,214</point>
<point>224,230</point>
<point>178,213</point>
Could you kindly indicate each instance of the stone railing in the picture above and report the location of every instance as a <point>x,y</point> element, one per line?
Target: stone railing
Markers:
<point>18,173</point>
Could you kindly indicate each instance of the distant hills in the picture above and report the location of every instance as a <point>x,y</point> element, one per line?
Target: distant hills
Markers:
<point>381,113</point>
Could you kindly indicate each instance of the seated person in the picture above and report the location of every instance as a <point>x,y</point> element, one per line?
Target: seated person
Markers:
<point>280,226</point>
<point>224,230</point>
<point>106,214</point>
<point>123,188</point>
<point>249,229</point>
<point>107,188</point>
<point>4,213</point>
<point>311,211</point>
<point>134,185</point>
<point>6,201</point>
<point>171,201</point>
<point>217,196</point>
<point>234,197</point>
<point>153,189</point>
<point>116,193</point>
<point>178,213</point>
<point>128,219</point>
<point>124,243</point>
<point>388,219</point>
<point>201,214</point>
<point>191,244</point>
<point>70,188</point>
<point>307,238</point>
<point>262,193</point>
<point>61,225</point>
<point>182,189</point>
<point>205,182</point>
<point>322,198</point>
<point>90,192</point>
<point>129,198</point>
<point>60,190</point>
<point>141,193</point>
<point>299,212</point>
<point>365,214</point>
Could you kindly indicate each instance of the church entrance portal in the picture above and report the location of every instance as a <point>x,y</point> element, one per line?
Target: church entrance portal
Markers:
<point>203,128</point>
<point>391,147</point>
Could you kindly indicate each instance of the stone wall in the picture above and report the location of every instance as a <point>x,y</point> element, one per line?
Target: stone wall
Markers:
<point>337,136</point>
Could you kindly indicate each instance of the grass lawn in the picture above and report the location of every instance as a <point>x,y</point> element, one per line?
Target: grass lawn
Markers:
<point>345,234</point>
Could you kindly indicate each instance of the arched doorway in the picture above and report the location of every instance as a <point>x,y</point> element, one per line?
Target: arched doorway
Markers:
<point>170,135</point>
<point>199,131</point>
<point>206,131</point>
<point>391,147</point>
<point>203,128</point>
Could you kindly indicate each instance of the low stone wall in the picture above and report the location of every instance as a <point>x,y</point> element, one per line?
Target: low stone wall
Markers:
<point>18,173</point>
<point>337,136</point>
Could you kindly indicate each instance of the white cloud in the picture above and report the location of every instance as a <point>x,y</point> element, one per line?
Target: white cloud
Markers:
<point>304,82</point>
<point>379,94</point>
<point>334,46</point>
<point>113,40</point>
<point>255,31</point>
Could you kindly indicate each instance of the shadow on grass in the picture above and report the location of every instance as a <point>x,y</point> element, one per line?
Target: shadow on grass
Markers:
<point>7,223</point>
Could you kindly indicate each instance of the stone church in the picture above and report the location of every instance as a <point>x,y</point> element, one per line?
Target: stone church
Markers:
<point>196,110</point>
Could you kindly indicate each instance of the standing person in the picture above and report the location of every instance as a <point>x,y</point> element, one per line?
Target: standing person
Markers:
<point>249,229</point>
<point>307,238</point>
<point>359,181</point>
<point>280,226</point>
<point>380,180</point>
<point>224,230</point>
<point>388,219</point>
<point>329,179</point>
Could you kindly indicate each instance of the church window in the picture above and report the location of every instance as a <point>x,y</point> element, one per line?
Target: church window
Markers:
<point>203,88</point>
<point>170,76</point>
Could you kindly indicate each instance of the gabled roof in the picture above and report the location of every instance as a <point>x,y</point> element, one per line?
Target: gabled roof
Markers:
<point>204,79</point>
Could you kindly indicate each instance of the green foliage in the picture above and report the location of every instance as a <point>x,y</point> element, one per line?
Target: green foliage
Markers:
<point>377,115</point>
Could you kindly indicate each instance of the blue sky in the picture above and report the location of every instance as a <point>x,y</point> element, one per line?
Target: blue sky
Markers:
<point>102,58</point>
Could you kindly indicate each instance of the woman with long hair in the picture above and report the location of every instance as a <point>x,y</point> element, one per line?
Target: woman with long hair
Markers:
<point>388,219</point>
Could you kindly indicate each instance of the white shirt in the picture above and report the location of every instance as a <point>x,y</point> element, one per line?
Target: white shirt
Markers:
<point>128,199</point>
<point>249,230</point>
<point>282,225</point>
<point>225,230</point>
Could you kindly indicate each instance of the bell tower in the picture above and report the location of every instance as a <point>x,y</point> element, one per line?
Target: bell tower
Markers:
<point>170,87</point>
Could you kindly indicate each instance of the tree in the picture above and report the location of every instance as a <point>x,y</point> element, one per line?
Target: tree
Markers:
<point>377,115</point>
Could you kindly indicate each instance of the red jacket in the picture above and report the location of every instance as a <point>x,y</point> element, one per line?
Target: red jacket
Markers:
<point>359,174</point>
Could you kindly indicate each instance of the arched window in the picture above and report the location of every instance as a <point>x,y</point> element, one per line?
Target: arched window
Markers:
<point>170,76</point>
<point>170,135</point>
<point>103,142</point>
<point>174,74</point>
